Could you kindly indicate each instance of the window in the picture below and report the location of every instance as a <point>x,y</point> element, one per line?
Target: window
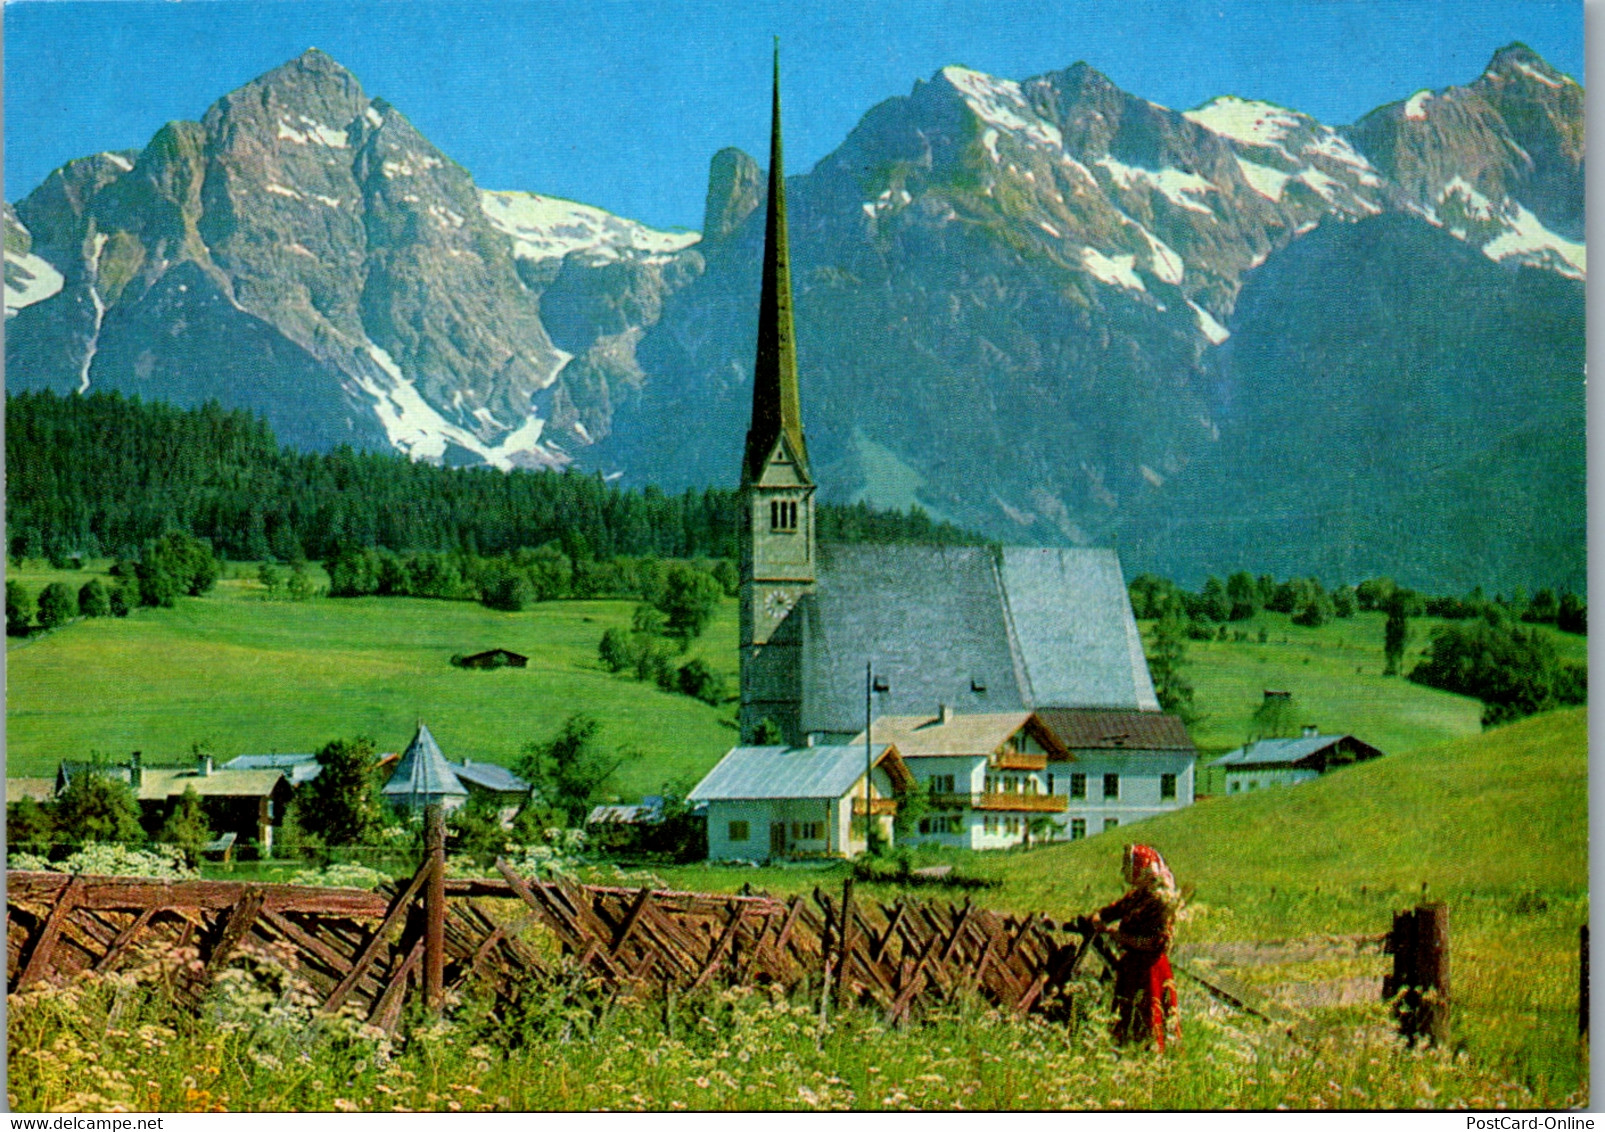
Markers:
<point>940,823</point>
<point>1110,823</point>
<point>1111,786</point>
<point>738,831</point>
<point>1253,784</point>
<point>1050,784</point>
<point>1167,785</point>
<point>1236,786</point>
<point>1078,828</point>
<point>940,784</point>
<point>782,514</point>
<point>807,831</point>
<point>1078,786</point>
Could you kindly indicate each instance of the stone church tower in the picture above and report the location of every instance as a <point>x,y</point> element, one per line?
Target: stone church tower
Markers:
<point>778,546</point>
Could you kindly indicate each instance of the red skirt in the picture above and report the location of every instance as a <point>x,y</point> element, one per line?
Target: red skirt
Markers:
<point>1145,998</point>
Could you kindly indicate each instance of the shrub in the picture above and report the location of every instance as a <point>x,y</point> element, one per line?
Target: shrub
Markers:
<point>1513,670</point>
<point>618,650</point>
<point>95,806</point>
<point>19,609</point>
<point>93,600</point>
<point>57,605</point>
<point>701,682</point>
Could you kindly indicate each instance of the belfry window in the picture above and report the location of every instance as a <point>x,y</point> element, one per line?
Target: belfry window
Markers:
<point>782,514</point>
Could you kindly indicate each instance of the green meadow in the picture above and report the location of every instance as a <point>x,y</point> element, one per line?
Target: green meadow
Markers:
<point>241,674</point>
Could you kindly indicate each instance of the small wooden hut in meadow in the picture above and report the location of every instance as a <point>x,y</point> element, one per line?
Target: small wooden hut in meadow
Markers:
<point>493,658</point>
<point>1287,762</point>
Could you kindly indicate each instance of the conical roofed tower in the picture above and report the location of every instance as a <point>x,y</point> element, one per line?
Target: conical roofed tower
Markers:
<point>778,548</point>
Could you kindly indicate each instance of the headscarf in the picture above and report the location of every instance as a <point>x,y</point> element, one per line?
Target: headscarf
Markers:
<point>1143,867</point>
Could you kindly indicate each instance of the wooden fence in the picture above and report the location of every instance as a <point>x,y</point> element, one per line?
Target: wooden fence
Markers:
<point>368,952</point>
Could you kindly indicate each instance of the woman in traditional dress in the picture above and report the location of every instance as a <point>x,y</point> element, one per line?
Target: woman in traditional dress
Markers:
<point>1145,988</point>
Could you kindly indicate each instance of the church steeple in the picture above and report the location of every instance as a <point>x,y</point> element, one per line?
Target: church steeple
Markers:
<point>776,409</point>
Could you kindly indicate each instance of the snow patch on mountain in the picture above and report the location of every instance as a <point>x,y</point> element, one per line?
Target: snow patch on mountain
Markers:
<point>416,428</point>
<point>120,161</point>
<point>1207,326</point>
<point>1117,271</point>
<point>1534,73</point>
<point>1264,180</point>
<point>1001,103</point>
<point>29,279</point>
<point>1175,184</point>
<point>1415,109</point>
<point>1526,237</point>
<point>1261,124</point>
<point>545,227</point>
<point>312,132</point>
<point>1166,265</point>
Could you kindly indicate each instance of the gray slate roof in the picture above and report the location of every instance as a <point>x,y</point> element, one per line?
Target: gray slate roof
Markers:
<point>1263,751</point>
<point>297,767</point>
<point>423,771</point>
<point>785,772</point>
<point>978,629</point>
<point>489,776</point>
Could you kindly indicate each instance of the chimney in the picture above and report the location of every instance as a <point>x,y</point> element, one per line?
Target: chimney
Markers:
<point>944,712</point>
<point>205,768</point>
<point>1310,731</point>
<point>136,771</point>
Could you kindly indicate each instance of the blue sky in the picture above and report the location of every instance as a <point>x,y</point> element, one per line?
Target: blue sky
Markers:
<point>621,103</point>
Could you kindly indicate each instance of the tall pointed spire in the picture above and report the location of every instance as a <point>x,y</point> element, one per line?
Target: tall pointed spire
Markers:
<point>776,408</point>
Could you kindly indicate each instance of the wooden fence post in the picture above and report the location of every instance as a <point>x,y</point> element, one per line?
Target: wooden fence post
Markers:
<point>435,908</point>
<point>1582,982</point>
<point>1419,943</point>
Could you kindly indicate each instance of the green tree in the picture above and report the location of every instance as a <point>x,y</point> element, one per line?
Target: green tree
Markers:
<point>701,682</point>
<point>1344,602</point>
<point>1167,653</point>
<point>476,828</point>
<point>19,609</point>
<point>300,586</point>
<point>570,771</point>
<point>29,828</point>
<point>1571,614</point>
<point>342,803</point>
<point>1213,602</point>
<point>912,805</point>
<point>93,600</point>
<point>688,599</point>
<point>96,806</point>
<point>1275,718</point>
<point>119,601</point>
<point>57,605</point>
<point>187,826</point>
<point>1242,592</point>
<point>1513,670</point>
<point>1395,635</point>
<point>271,577</point>
<point>618,650</point>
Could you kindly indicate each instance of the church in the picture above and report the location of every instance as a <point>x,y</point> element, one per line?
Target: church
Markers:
<point>832,635</point>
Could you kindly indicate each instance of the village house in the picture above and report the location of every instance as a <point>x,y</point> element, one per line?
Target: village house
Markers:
<point>423,776</point>
<point>244,802</point>
<point>1123,766</point>
<point>768,803</point>
<point>1287,762</point>
<point>493,658</point>
<point>984,776</point>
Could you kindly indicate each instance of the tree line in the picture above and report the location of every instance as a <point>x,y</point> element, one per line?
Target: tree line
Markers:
<point>1491,649</point>
<point>99,475</point>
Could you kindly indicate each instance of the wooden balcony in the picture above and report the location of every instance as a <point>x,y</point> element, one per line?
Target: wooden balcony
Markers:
<point>1019,760</point>
<point>880,807</point>
<point>1013,803</point>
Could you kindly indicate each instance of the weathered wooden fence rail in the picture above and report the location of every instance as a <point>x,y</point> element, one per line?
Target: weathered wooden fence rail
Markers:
<point>368,952</point>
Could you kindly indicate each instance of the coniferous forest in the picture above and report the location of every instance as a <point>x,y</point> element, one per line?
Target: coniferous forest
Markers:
<point>99,475</point>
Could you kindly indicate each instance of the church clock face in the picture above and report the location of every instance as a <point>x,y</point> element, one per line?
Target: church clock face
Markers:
<point>777,603</point>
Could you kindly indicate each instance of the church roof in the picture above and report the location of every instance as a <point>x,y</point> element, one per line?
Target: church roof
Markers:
<point>423,771</point>
<point>978,629</point>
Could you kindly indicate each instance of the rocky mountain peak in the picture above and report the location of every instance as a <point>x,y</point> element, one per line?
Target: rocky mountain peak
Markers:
<point>735,190</point>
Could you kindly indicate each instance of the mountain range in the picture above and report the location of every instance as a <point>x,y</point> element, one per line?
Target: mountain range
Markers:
<point>1053,311</point>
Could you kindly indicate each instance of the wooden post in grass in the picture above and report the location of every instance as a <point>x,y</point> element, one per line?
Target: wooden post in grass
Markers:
<point>435,908</point>
<point>1419,984</point>
<point>1582,981</point>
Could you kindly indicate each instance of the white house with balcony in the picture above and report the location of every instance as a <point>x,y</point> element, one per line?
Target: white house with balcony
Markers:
<point>1122,766</point>
<point>771,803</point>
<point>984,775</point>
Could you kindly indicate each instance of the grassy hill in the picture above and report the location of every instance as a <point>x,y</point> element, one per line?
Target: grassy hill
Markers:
<point>242,674</point>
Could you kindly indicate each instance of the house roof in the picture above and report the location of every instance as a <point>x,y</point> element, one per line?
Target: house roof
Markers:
<point>158,783</point>
<point>39,789</point>
<point>508,653</point>
<point>644,813</point>
<point>423,771</point>
<point>298,767</point>
<point>982,630</point>
<point>489,776</point>
<point>917,736</point>
<point>1264,752</point>
<point>786,772</point>
<point>1095,729</point>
